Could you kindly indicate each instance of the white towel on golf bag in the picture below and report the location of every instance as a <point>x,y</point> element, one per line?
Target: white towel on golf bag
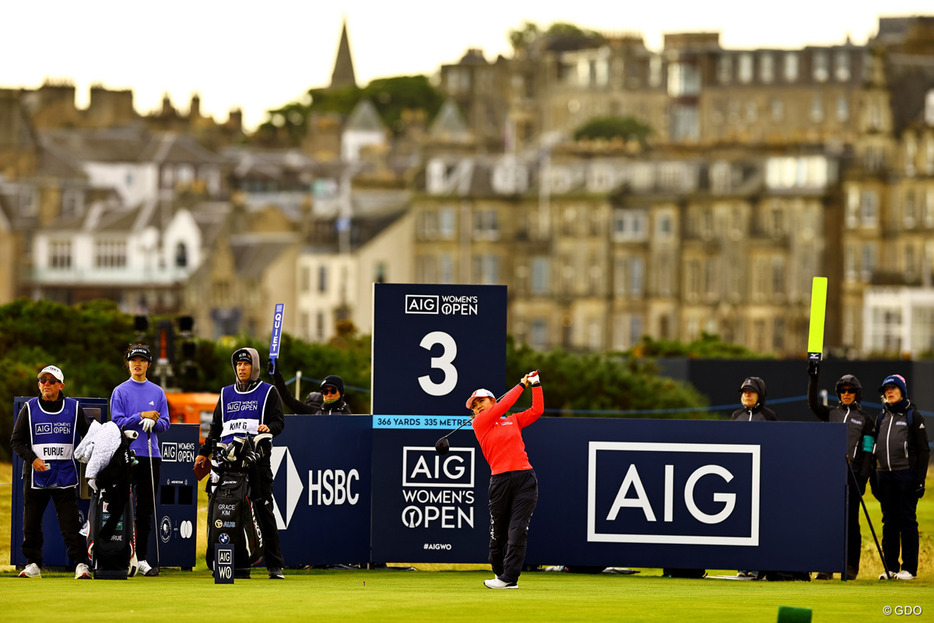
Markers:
<point>98,447</point>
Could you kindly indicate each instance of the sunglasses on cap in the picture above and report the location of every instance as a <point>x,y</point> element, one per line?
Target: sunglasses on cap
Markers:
<point>329,390</point>
<point>847,390</point>
<point>48,380</point>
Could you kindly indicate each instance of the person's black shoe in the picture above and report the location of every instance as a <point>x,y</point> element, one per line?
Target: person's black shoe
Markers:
<point>276,574</point>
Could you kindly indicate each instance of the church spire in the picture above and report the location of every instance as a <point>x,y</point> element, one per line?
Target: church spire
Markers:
<point>343,74</point>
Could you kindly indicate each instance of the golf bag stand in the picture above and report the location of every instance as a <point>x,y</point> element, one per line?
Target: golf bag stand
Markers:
<point>231,520</point>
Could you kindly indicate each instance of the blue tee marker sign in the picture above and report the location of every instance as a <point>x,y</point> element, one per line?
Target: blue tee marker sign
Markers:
<point>435,344</point>
<point>274,341</point>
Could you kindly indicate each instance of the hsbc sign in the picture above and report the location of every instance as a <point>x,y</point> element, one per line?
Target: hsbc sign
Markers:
<point>673,493</point>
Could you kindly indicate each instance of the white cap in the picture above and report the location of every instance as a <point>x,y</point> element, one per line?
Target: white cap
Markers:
<point>480,393</point>
<point>54,371</point>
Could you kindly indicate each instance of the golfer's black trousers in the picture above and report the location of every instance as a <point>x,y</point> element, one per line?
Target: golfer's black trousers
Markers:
<point>513,497</point>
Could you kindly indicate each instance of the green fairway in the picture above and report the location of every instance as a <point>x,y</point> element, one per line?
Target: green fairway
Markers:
<point>382,595</point>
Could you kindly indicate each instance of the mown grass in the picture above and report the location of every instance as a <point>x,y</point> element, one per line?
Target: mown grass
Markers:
<point>455,593</point>
<point>451,596</point>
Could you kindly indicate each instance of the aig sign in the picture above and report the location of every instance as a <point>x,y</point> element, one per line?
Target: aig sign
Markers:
<point>673,493</point>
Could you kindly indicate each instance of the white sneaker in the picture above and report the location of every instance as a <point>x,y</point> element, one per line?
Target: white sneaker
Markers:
<point>30,571</point>
<point>886,576</point>
<point>82,572</point>
<point>905,575</point>
<point>147,569</point>
<point>497,583</point>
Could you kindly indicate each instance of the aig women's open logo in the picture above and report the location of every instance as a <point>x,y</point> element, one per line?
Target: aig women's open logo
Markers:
<point>673,493</point>
<point>438,490</point>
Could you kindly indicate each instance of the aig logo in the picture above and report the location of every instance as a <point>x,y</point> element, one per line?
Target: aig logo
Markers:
<point>423,467</point>
<point>421,304</point>
<point>673,493</point>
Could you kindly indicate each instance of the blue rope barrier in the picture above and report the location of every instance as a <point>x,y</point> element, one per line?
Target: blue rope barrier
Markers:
<point>730,407</point>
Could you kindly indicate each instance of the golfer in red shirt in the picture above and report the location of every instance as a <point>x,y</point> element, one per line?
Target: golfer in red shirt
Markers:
<point>513,486</point>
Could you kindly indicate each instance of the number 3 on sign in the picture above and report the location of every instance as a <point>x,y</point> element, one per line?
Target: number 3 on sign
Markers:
<point>442,362</point>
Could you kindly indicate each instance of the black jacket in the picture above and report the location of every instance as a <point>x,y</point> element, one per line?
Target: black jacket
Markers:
<point>858,422</point>
<point>759,412</point>
<point>910,448</point>
<point>314,402</point>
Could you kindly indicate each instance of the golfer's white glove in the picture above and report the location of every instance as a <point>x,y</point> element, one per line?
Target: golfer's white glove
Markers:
<point>148,424</point>
<point>92,482</point>
<point>532,378</point>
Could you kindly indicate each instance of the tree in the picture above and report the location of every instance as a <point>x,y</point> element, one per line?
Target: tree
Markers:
<point>602,385</point>
<point>559,37</point>
<point>707,346</point>
<point>609,128</point>
<point>390,96</point>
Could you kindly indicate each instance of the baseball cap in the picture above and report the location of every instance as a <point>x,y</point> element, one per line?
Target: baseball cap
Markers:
<point>480,393</point>
<point>54,371</point>
<point>139,350</point>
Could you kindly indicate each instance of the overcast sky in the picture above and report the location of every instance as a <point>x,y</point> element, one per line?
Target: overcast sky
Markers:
<point>260,55</point>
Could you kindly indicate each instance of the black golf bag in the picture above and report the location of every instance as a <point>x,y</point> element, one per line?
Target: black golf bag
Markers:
<point>231,520</point>
<point>112,534</point>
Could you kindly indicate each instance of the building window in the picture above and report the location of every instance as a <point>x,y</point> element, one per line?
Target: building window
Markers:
<point>486,269</point>
<point>541,275</point>
<point>72,201</point>
<point>791,67</point>
<point>683,79</point>
<point>685,125</point>
<point>725,69</point>
<point>446,268</point>
<point>869,208</point>
<point>842,66</point>
<point>629,224</point>
<point>911,154</point>
<point>663,226</point>
<point>817,109</point>
<point>60,254</point>
<point>655,71</point>
<point>319,325</point>
<point>486,224</point>
<point>778,278</point>
<point>305,280</point>
<point>745,68</point>
<point>843,109</point>
<point>538,334</point>
<point>821,69</point>
<point>181,255</point>
<point>778,109</point>
<point>447,222</point>
<point>868,262</point>
<point>110,254</point>
<point>322,278</point>
<point>909,215</point>
<point>427,224</point>
<point>767,68</point>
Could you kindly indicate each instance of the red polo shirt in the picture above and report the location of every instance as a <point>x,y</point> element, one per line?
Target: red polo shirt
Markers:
<point>501,437</point>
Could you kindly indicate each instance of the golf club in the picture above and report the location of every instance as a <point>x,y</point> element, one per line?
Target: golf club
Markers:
<point>152,483</point>
<point>868,520</point>
<point>443,445</point>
